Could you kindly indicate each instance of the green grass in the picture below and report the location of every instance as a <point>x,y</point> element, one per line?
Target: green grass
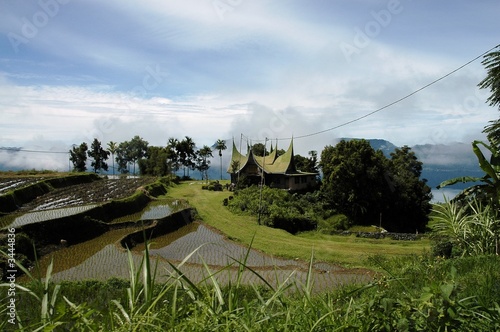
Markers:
<point>417,293</point>
<point>346,250</point>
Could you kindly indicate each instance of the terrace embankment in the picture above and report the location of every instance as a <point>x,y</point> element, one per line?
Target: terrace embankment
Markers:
<point>14,199</point>
<point>79,221</point>
<point>159,227</point>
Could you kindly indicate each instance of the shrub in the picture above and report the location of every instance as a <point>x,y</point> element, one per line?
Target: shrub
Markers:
<point>277,208</point>
<point>472,229</point>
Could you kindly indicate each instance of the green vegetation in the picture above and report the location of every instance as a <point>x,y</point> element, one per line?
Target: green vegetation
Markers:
<point>221,146</point>
<point>469,230</point>
<point>371,189</point>
<point>243,228</point>
<point>99,156</point>
<point>456,288</point>
<point>415,293</point>
<point>412,292</point>
<point>78,156</point>
<point>488,191</point>
<point>277,208</point>
<point>469,224</point>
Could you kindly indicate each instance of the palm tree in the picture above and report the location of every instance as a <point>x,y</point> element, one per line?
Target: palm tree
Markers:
<point>220,145</point>
<point>491,63</point>
<point>173,154</point>
<point>112,147</point>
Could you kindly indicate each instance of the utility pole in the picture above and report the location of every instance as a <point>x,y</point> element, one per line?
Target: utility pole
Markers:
<point>262,178</point>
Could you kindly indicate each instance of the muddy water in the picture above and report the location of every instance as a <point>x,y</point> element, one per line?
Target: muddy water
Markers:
<point>212,253</point>
<point>211,248</point>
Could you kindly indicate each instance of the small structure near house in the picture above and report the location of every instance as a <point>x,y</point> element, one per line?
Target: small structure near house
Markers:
<point>276,171</point>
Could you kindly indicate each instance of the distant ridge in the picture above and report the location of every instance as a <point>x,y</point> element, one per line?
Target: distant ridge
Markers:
<point>376,143</point>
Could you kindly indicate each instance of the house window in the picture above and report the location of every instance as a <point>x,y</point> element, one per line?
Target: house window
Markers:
<point>297,180</point>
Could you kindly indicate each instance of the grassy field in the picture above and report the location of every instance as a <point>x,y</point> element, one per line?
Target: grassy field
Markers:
<point>416,292</point>
<point>346,250</point>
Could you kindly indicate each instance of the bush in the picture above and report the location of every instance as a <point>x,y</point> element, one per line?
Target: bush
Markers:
<point>277,208</point>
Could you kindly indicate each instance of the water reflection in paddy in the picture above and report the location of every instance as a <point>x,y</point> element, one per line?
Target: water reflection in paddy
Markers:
<point>213,248</point>
<point>111,260</point>
<point>156,212</point>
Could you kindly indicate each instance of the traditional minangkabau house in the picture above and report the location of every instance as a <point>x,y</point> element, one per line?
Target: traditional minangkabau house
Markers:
<point>277,171</point>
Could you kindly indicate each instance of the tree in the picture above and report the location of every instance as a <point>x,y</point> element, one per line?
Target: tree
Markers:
<point>122,157</point>
<point>354,181</point>
<point>221,146</point>
<point>409,196</point>
<point>155,162</point>
<point>172,154</point>
<point>202,162</point>
<point>112,147</point>
<point>491,62</point>
<point>370,189</point>
<point>488,191</point>
<point>137,148</point>
<point>259,149</point>
<point>186,154</point>
<point>307,164</point>
<point>78,156</point>
<point>99,155</point>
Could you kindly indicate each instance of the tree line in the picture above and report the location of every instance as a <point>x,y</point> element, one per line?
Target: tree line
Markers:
<point>177,155</point>
<point>151,160</point>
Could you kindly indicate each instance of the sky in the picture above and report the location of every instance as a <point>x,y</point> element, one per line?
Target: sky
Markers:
<point>74,70</point>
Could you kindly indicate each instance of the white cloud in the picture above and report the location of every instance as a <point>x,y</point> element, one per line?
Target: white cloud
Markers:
<point>259,66</point>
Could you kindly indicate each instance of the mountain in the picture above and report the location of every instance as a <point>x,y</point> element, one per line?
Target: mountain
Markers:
<point>385,146</point>
<point>378,144</point>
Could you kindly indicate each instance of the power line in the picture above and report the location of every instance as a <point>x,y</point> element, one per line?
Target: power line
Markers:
<point>321,131</point>
<point>386,106</point>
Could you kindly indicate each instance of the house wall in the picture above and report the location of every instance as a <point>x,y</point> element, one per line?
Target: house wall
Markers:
<point>297,183</point>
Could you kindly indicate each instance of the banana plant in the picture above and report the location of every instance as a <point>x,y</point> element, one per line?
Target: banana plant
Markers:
<point>489,186</point>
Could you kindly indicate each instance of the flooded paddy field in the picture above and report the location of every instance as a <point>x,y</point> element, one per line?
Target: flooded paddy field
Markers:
<point>104,258</point>
<point>195,249</point>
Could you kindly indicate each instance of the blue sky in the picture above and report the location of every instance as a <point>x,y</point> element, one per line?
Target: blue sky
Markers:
<point>72,70</point>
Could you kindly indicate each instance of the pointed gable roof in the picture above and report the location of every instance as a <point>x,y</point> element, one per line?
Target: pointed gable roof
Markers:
<point>277,165</point>
<point>239,158</point>
<point>271,164</point>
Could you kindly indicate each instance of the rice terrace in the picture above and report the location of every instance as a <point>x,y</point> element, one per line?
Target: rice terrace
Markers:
<point>158,252</point>
<point>83,199</point>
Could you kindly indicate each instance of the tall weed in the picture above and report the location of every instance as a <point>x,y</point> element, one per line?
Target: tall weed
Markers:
<point>411,293</point>
<point>472,229</point>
